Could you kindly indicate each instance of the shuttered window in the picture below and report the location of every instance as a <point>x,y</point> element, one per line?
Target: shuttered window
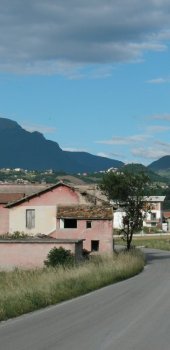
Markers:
<point>30,218</point>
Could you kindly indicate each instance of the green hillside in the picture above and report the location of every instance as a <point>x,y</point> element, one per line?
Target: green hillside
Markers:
<point>138,168</point>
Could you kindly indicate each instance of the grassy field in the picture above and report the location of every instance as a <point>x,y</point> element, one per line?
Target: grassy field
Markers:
<point>149,242</point>
<point>25,291</point>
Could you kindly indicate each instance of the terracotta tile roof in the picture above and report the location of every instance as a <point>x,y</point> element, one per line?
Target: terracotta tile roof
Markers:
<point>85,212</point>
<point>10,197</point>
<point>90,196</point>
<point>166,214</point>
<point>26,189</point>
<point>93,192</point>
<point>33,195</point>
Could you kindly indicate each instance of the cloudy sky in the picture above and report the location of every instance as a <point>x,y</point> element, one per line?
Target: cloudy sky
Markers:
<point>92,75</point>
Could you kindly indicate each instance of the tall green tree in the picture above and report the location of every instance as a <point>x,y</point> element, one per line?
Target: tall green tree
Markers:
<point>127,190</point>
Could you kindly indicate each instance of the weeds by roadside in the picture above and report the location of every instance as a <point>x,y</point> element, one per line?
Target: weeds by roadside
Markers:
<point>25,291</point>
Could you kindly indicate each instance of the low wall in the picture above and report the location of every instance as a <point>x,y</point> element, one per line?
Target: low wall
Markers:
<point>32,253</point>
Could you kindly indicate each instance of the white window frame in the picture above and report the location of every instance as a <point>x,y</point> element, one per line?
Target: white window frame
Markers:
<point>30,218</point>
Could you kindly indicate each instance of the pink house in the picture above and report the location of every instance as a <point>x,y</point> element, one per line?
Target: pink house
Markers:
<point>5,198</point>
<point>62,212</point>
<point>10,193</point>
<point>91,223</point>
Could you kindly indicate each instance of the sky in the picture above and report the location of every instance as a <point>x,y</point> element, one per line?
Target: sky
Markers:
<point>91,75</point>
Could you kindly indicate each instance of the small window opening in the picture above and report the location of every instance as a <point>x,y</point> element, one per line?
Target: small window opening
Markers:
<point>88,224</point>
<point>153,224</point>
<point>153,216</point>
<point>70,223</point>
<point>94,246</point>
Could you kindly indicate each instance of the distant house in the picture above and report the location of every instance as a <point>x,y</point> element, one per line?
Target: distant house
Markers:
<point>152,218</point>
<point>60,211</point>
<point>166,220</point>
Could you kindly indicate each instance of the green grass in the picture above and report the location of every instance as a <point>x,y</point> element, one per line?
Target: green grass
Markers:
<point>25,291</point>
<point>155,243</point>
<point>163,244</point>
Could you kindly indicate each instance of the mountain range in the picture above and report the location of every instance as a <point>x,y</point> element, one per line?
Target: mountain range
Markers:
<point>161,164</point>
<point>31,150</point>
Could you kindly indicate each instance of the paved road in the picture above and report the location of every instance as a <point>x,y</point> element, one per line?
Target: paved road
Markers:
<point>133,314</point>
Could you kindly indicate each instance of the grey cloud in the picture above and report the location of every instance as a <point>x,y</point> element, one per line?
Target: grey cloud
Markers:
<point>124,140</point>
<point>41,128</point>
<point>158,81</point>
<point>149,152</point>
<point>50,33</point>
<point>157,150</point>
<point>111,155</point>
<point>165,117</point>
<point>72,149</point>
<point>157,128</point>
<point>163,144</point>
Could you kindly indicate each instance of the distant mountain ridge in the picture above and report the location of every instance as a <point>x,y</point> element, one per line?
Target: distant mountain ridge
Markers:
<point>32,151</point>
<point>161,164</point>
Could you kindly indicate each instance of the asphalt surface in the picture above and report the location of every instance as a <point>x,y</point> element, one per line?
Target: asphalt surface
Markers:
<point>133,314</point>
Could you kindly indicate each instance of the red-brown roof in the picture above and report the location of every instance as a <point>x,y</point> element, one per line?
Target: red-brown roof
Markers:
<point>85,212</point>
<point>166,214</point>
<point>10,197</point>
<point>27,189</point>
<point>33,195</point>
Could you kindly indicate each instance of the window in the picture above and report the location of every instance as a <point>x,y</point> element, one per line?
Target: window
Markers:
<point>88,224</point>
<point>94,246</point>
<point>153,216</point>
<point>30,218</point>
<point>70,223</point>
<point>153,224</point>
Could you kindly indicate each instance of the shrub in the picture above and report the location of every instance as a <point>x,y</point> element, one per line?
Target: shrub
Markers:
<point>59,257</point>
<point>18,235</point>
<point>14,235</point>
<point>151,229</point>
<point>86,254</point>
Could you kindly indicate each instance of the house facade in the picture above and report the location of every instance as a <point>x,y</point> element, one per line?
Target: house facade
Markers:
<point>91,223</point>
<point>10,193</point>
<point>153,216</point>
<point>63,212</point>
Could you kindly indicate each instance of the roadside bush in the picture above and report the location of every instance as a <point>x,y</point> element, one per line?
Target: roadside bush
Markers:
<point>86,254</point>
<point>59,257</point>
<point>151,229</point>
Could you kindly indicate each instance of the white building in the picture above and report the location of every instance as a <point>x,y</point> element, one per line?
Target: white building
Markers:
<point>153,217</point>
